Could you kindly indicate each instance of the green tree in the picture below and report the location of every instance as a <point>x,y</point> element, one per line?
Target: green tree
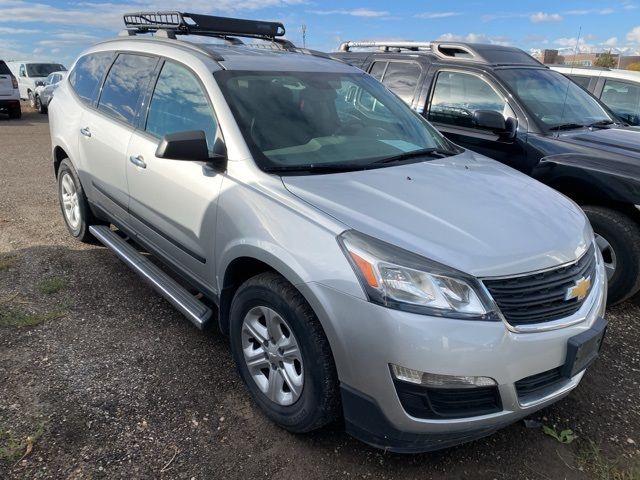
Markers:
<point>606,60</point>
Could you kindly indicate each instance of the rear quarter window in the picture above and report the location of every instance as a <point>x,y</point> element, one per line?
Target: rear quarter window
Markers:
<point>4,69</point>
<point>87,74</point>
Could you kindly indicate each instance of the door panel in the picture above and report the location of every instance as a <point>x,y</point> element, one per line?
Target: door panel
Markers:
<point>455,96</point>
<point>173,202</point>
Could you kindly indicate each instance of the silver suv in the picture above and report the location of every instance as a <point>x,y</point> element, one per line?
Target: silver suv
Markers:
<point>362,265</point>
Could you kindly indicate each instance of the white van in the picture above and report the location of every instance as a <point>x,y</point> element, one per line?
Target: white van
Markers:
<point>28,73</point>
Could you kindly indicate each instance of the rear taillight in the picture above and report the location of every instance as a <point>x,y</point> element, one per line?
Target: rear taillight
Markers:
<point>14,80</point>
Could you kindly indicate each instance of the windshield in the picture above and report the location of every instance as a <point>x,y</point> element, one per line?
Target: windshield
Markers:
<point>43,69</point>
<point>553,99</point>
<point>294,120</point>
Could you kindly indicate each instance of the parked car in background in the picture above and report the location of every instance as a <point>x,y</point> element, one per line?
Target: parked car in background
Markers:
<point>44,90</point>
<point>501,102</point>
<point>28,73</point>
<point>363,265</point>
<point>9,95</point>
<point>617,89</point>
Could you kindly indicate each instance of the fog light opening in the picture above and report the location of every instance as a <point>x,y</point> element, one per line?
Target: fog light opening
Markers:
<point>435,380</point>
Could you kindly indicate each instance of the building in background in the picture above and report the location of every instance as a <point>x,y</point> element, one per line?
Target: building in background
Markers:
<point>553,57</point>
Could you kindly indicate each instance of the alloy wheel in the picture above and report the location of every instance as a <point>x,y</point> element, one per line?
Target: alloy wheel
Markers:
<point>272,355</point>
<point>70,201</point>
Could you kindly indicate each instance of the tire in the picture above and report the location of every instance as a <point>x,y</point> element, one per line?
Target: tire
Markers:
<point>318,402</point>
<point>618,237</point>
<point>31,98</point>
<point>83,216</point>
<point>15,112</point>
<point>39,106</point>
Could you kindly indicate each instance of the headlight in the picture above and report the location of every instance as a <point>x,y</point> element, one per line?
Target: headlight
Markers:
<point>399,279</point>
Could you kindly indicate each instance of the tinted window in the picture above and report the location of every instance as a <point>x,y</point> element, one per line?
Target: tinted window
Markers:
<point>4,70</point>
<point>624,99</point>
<point>87,74</point>
<point>581,80</point>
<point>402,78</point>
<point>125,82</point>
<point>43,69</point>
<point>22,72</point>
<point>457,95</point>
<point>552,98</point>
<point>377,69</point>
<point>179,104</point>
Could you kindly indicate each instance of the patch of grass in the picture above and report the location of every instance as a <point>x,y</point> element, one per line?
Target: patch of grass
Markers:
<point>13,317</point>
<point>592,460</point>
<point>50,285</point>
<point>13,447</point>
<point>7,262</point>
<point>562,436</point>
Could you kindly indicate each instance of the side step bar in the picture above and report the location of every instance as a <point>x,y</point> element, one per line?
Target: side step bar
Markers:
<point>176,294</point>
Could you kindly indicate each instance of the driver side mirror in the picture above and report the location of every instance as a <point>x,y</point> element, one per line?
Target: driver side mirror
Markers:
<point>40,83</point>
<point>190,146</point>
<point>494,121</point>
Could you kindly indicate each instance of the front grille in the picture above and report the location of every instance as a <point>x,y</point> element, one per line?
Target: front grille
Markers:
<point>540,297</point>
<point>540,381</point>
<point>438,403</point>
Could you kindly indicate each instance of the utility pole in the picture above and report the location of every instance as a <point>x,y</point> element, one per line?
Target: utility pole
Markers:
<point>303,29</point>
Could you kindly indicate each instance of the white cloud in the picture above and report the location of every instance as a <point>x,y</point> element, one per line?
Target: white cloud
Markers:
<point>611,42</point>
<point>431,15</point>
<point>14,31</point>
<point>356,12</point>
<point>591,11</point>
<point>539,17</point>
<point>474,38</point>
<point>634,35</point>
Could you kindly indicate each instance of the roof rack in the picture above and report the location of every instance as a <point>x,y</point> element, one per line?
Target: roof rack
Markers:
<point>172,23</point>
<point>386,46</point>
<point>442,49</point>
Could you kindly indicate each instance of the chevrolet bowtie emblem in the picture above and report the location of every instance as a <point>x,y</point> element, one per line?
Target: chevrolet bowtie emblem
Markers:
<point>579,290</point>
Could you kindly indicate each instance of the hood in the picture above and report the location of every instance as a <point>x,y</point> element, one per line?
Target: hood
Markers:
<point>618,141</point>
<point>466,211</point>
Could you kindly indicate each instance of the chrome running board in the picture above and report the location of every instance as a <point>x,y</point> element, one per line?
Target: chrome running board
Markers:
<point>176,294</point>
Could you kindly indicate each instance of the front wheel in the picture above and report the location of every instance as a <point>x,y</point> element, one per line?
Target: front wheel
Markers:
<point>32,99</point>
<point>73,202</point>
<point>39,106</point>
<point>282,354</point>
<point>618,238</point>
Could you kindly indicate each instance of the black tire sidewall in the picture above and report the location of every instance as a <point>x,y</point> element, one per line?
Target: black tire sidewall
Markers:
<point>623,235</point>
<point>82,231</point>
<point>299,416</point>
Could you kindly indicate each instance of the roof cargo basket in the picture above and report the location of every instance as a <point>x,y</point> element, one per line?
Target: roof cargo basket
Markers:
<point>180,23</point>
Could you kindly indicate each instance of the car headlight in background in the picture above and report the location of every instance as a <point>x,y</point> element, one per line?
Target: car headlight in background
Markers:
<point>399,279</point>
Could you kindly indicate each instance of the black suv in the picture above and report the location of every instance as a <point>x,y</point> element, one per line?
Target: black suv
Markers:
<point>501,102</point>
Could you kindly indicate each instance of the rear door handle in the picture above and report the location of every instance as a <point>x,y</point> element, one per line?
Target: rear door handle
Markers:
<point>138,161</point>
<point>85,131</point>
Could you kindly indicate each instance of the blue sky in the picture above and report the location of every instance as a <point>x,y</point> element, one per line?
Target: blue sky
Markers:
<point>60,29</point>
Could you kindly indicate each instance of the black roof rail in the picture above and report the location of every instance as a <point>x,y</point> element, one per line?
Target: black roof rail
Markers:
<point>182,23</point>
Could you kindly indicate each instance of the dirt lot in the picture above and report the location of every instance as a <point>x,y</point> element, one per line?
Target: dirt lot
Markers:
<point>101,378</point>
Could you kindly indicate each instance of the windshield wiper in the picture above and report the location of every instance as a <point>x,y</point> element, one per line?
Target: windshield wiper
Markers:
<point>423,152</point>
<point>601,124</point>
<point>567,126</point>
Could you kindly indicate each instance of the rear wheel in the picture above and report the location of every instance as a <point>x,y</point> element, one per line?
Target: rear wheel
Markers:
<point>73,203</point>
<point>282,354</point>
<point>32,99</point>
<point>15,112</point>
<point>618,238</point>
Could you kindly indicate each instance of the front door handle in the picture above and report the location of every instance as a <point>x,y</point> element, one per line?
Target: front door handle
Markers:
<point>138,161</point>
<point>85,131</point>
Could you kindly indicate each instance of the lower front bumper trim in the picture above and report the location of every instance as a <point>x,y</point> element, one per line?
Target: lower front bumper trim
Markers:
<point>365,421</point>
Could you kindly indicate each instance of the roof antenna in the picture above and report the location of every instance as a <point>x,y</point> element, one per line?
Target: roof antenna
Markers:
<point>569,81</point>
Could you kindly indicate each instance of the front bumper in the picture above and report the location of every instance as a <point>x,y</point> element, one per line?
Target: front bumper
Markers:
<point>367,338</point>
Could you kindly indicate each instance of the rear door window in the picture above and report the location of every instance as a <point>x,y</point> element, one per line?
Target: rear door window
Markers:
<point>87,74</point>
<point>402,79</point>
<point>377,70</point>
<point>179,104</point>
<point>127,79</point>
<point>623,98</point>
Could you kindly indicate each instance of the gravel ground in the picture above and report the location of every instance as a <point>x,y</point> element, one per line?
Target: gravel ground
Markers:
<point>101,378</point>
